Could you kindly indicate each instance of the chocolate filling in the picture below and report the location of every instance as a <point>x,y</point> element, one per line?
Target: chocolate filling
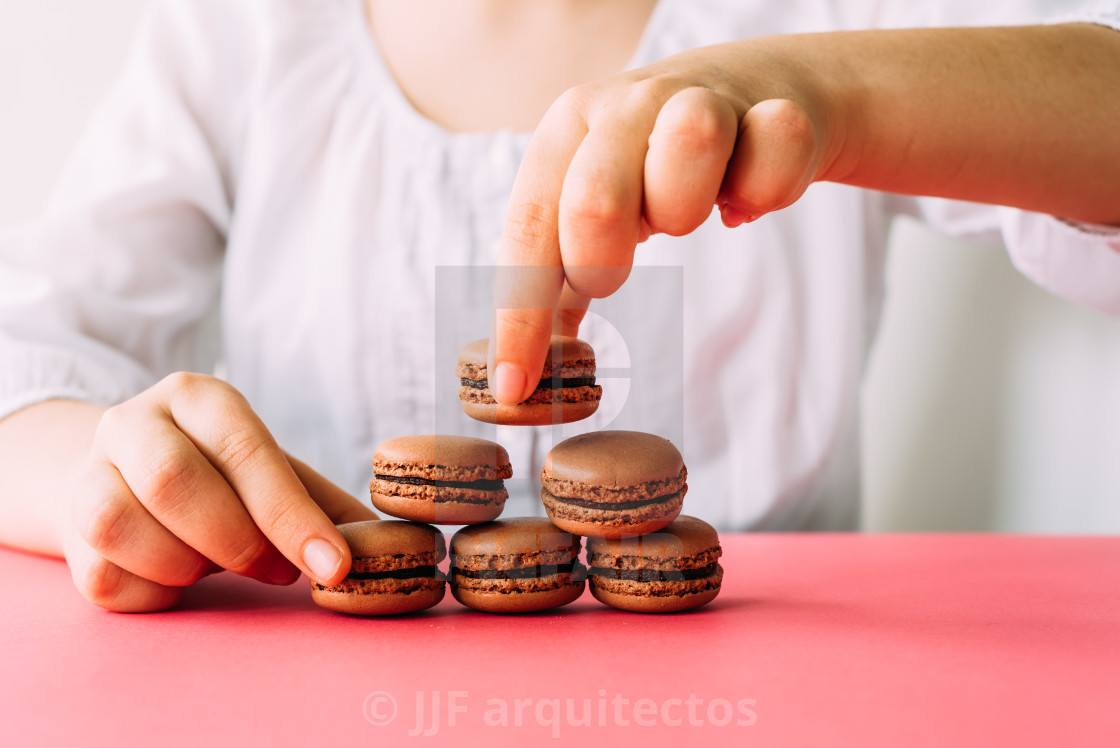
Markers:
<point>653,575</point>
<point>529,572</point>
<point>414,572</point>
<point>479,485</point>
<point>544,384</point>
<point>635,504</point>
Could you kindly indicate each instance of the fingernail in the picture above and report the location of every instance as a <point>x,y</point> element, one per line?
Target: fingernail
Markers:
<point>733,218</point>
<point>322,559</point>
<point>282,573</point>
<point>508,383</point>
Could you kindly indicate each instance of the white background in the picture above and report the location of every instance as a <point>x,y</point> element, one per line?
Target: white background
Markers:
<point>989,404</point>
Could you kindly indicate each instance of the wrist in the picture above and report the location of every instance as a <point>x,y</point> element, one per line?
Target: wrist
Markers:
<point>44,447</point>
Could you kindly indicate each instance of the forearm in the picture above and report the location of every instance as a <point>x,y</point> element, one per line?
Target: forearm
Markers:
<point>1022,116</point>
<point>41,449</point>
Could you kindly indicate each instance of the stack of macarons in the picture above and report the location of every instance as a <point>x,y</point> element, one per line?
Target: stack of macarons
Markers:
<point>517,565</point>
<point>623,490</point>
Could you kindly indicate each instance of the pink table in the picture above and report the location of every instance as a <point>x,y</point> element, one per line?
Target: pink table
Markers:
<point>815,640</point>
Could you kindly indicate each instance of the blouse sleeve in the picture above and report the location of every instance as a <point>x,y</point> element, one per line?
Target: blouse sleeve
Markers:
<point>106,292</point>
<point>1078,261</point>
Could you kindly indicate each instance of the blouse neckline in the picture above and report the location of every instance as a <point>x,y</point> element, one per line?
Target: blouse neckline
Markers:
<point>370,50</point>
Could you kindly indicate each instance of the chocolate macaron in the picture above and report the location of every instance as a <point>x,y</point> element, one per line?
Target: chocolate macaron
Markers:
<point>566,392</point>
<point>393,569</point>
<point>515,566</point>
<point>613,483</point>
<point>676,568</point>
<point>445,480</point>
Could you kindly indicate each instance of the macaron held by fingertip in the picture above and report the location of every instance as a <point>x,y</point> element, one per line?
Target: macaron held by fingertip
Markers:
<point>613,483</point>
<point>441,479</point>
<point>393,569</point>
<point>515,566</point>
<point>566,391</point>
<point>676,568</point>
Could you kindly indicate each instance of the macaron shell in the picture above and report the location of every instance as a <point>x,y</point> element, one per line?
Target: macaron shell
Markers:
<point>442,457</point>
<point>385,603</point>
<point>520,536</point>
<point>612,460</point>
<point>532,414</point>
<point>448,512</point>
<point>501,599</point>
<point>632,597</point>
<point>386,537</point>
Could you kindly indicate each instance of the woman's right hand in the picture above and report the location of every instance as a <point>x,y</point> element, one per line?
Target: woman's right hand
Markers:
<point>184,480</point>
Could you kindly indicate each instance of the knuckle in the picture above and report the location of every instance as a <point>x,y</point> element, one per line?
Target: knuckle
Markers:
<point>237,448</point>
<point>277,517</point>
<point>249,560</point>
<point>696,121</point>
<point>568,112</point>
<point>104,523</point>
<point>101,582</point>
<point>113,423</point>
<point>641,90</point>
<point>169,485</point>
<point>791,120</point>
<point>529,226</point>
<point>193,387</point>
<point>185,381</point>
<point>573,100</point>
<point>593,207</point>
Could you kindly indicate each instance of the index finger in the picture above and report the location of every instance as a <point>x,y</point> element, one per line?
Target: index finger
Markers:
<point>236,442</point>
<point>530,274</point>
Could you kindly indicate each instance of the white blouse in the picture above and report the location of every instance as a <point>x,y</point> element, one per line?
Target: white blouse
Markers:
<point>257,167</point>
